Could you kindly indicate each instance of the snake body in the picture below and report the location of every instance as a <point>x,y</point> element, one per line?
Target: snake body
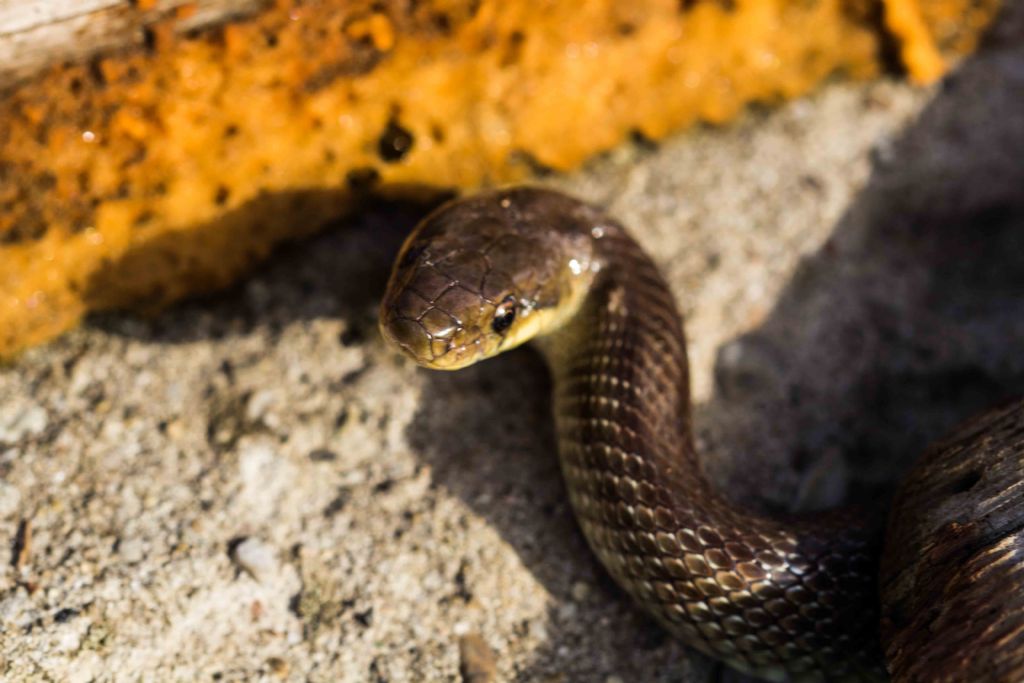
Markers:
<point>779,597</point>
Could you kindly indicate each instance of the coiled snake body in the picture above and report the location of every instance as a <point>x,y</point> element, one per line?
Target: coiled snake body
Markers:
<point>777,597</point>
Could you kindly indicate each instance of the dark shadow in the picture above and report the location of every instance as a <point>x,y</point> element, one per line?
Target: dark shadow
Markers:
<point>371,225</point>
<point>909,320</point>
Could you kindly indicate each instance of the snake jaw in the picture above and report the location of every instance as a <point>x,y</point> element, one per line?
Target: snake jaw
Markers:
<point>436,352</point>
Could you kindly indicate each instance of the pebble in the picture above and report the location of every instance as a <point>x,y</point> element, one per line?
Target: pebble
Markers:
<point>262,472</point>
<point>477,662</point>
<point>278,667</point>
<point>580,591</point>
<point>132,550</point>
<point>259,404</point>
<point>257,558</point>
<point>16,610</point>
<point>745,366</point>
<point>29,421</point>
<point>10,499</point>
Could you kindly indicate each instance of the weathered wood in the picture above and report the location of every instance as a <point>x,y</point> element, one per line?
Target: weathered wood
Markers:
<point>35,33</point>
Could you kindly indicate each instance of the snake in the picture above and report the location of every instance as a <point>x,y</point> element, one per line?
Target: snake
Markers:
<point>779,597</point>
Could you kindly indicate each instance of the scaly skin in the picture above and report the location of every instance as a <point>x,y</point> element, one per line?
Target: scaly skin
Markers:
<point>777,597</point>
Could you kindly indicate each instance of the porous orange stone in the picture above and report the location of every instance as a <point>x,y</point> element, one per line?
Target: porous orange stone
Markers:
<point>153,173</point>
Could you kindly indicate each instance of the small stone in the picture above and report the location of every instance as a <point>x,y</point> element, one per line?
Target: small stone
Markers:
<point>539,631</point>
<point>258,405</point>
<point>257,463</point>
<point>433,582</point>
<point>16,610</point>
<point>477,662</point>
<point>745,366</point>
<point>278,667</point>
<point>614,678</point>
<point>132,550</point>
<point>65,615</point>
<point>568,611</point>
<point>323,455</point>
<point>257,558</point>
<point>580,591</point>
<point>10,499</point>
<point>18,424</point>
<point>175,430</point>
<point>365,617</point>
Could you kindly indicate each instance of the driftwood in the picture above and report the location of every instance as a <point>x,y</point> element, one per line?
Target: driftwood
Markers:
<point>36,33</point>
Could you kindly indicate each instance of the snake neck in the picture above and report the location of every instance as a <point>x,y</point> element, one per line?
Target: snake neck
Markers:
<point>779,598</point>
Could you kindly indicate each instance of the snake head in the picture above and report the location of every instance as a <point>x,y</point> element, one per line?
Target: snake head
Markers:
<point>485,274</point>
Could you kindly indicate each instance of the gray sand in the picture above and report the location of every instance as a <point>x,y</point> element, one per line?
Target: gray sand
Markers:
<point>252,487</point>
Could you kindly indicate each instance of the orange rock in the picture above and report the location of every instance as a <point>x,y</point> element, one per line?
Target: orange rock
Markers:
<point>159,172</point>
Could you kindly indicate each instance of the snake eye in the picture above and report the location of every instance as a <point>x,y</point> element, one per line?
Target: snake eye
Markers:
<point>504,315</point>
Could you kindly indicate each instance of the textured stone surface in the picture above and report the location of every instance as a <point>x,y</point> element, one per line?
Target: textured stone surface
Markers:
<point>850,266</point>
<point>138,177</point>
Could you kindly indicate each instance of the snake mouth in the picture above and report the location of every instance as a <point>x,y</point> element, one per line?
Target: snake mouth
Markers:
<point>406,335</point>
<point>435,351</point>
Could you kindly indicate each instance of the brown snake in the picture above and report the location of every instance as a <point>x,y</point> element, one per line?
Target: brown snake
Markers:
<point>779,597</point>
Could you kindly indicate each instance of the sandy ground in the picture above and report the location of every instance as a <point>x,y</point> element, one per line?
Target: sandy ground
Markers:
<point>251,487</point>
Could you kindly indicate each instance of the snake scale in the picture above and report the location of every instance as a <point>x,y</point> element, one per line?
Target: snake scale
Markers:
<point>783,598</point>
